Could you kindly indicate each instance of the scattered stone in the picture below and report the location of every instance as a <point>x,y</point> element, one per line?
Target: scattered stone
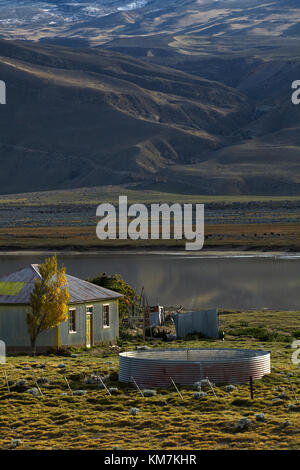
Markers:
<point>260,417</point>
<point>149,393</point>
<point>108,362</point>
<point>21,383</point>
<point>291,407</point>
<point>34,392</point>
<point>285,424</point>
<point>282,396</point>
<point>117,448</point>
<point>41,366</point>
<point>206,384</point>
<point>199,395</point>
<point>101,386</point>
<point>244,424</point>
<point>80,392</point>
<point>74,355</point>
<point>197,385</point>
<point>93,380</point>
<point>15,443</point>
<point>134,411</point>
<point>113,390</point>
<point>171,337</point>
<point>62,366</point>
<point>290,374</point>
<point>277,401</point>
<point>26,368</point>
<point>230,388</point>
<point>63,394</point>
<point>143,348</point>
<point>42,380</point>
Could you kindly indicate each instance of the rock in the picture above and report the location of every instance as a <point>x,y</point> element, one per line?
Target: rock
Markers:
<point>41,366</point>
<point>101,386</point>
<point>108,362</point>
<point>113,390</point>
<point>171,337</point>
<point>291,407</point>
<point>230,388</point>
<point>285,424</point>
<point>149,393</point>
<point>260,417</point>
<point>134,411</point>
<point>42,380</point>
<point>282,396</point>
<point>74,355</point>
<point>63,394</point>
<point>206,384</point>
<point>93,380</point>
<point>199,395</point>
<point>26,368</point>
<point>34,392</point>
<point>21,383</point>
<point>80,392</point>
<point>277,401</point>
<point>197,385</point>
<point>244,424</point>
<point>143,348</point>
<point>62,366</point>
<point>15,443</point>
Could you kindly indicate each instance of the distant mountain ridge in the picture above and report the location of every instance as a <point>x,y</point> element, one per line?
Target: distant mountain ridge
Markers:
<point>79,117</point>
<point>181,96</point>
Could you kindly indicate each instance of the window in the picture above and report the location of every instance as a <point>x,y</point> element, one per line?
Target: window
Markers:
<point>89,309</point>
<point>106,316</point>
<point>72,320</point>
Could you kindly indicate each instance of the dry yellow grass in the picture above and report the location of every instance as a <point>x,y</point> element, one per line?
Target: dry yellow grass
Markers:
<point>98,421</point>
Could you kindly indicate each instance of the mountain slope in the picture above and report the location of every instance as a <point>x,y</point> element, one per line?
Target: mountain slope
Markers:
<point>81,117</point>
<point>98,21</point>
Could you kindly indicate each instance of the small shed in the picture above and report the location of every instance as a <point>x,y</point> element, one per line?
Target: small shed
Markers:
<point>93,313</point>
<point>201,321</point>
<point>154,316</point>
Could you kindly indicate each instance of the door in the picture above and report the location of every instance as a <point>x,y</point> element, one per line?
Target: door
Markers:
<point>89,327</point>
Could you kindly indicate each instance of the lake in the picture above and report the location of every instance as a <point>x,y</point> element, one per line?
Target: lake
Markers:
<point>237,282</point>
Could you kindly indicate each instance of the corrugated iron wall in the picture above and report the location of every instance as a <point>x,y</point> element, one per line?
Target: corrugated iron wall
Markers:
<point>202,321</point>
<point>186,366</point>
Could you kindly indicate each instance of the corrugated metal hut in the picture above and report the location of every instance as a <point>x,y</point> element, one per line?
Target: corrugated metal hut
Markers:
<point>203,321</point>
<point>93,313</point>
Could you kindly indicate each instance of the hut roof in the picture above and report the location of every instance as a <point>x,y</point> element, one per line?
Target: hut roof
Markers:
<point>15,288</point>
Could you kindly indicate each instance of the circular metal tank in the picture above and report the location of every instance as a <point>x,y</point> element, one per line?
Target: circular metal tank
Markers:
<point>156,368</point>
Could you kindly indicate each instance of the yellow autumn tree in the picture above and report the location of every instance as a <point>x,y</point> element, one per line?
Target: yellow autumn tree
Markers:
<point>48,301</point>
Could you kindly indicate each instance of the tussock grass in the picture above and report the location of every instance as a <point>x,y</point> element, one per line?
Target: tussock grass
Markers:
<point>99,421</point>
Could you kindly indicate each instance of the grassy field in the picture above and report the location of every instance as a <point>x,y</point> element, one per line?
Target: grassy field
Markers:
<point>220,236</point>
<point>95,420</point>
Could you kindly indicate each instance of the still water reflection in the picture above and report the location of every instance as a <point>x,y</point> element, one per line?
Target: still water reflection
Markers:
<point>192,281</point>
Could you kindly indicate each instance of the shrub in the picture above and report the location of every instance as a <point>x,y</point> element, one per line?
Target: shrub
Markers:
<point>260,333</point>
